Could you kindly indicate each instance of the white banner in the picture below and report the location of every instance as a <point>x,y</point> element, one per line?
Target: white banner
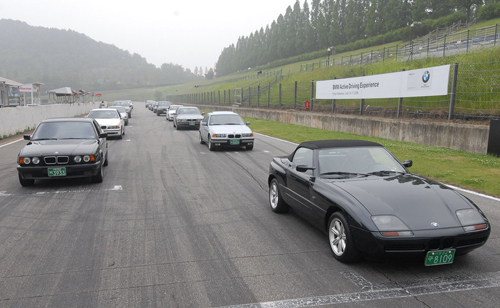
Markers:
<point>26,88</point>
<point>430,81</point>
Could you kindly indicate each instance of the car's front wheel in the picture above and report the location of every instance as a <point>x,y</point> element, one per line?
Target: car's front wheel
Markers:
<point>201,139</point>
<point>341,239</point>
<point>278,205</point>
<point>210,146</point>
<point>25,182</point>
<point>249,147</point>
<point>98,178</point>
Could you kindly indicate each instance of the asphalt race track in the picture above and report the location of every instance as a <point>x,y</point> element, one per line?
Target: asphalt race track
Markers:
<point>174,225</point>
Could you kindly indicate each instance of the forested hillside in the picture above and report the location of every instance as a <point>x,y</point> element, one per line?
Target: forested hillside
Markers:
<point>320,24</point>
<point>60,58</point>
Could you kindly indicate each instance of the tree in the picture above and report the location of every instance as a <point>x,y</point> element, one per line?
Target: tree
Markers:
<point>210,74</point>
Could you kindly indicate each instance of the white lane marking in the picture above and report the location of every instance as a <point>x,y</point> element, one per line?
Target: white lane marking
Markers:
<point>399,290</point>
<point>4,145</point>
<point>115,188</point>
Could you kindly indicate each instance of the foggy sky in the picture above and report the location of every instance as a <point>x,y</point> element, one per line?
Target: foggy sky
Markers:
<point>188,33</point>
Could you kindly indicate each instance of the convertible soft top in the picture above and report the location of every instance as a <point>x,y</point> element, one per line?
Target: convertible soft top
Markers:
<point>337,143</point>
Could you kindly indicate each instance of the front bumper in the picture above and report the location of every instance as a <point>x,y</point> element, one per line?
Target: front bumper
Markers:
<point>113,132</point>
<point>375,245</point>
<point>72,171</point>
<point>189,124</point>
<point>237,142</point>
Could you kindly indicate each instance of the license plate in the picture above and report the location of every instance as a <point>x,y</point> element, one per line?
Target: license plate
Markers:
<point>234,142</point>
<point>439,257</point>
<point>57,171</point>
<point>191,123</point>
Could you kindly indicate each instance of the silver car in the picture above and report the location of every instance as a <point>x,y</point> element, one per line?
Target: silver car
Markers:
<point>188,117</point>
<point>225,129</point>
<point>110,120</point>
<point>122,112</point>
<point>172,111</point>
<point>127,104</point>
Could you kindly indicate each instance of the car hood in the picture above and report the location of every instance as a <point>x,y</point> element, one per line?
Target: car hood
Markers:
<point>60,147</point>
<point>108,122</point>
<point>417,201</point>
<point>230,129</point>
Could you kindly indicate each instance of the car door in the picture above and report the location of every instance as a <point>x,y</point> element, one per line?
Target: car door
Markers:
<point>300,183</point>
<point>204,127</point>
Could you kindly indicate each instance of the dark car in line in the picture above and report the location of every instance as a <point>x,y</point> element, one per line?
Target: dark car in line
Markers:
<point>162,107</point>
<point>62,148</point>
<point>370,205</point>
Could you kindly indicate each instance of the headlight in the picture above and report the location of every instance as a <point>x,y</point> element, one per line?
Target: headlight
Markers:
<point>219,136</point>
<point>389,225</point>
<point>471,220</point>
<point>88,158</point>
<point>247,135</point>
<point>77,159</point>
<point>36,160</point>
<point>25,160</point>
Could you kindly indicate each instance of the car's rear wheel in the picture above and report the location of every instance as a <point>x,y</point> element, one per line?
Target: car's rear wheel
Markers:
<point>278,205</point>
<point>201,139</point>
<point>341,239</point>
<point>25,182</point>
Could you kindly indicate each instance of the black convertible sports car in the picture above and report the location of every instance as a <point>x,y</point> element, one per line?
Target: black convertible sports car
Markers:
<point>370,205</point>
<point>63,148</point>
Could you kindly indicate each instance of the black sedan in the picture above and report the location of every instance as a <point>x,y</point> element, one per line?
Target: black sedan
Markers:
<point>63,148</point>
<point>370,205</point>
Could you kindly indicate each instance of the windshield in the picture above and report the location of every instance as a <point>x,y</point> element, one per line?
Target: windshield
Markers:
<point>121,109</point>
<point>64,130</point>
<point>357,160</point>
<point>226,119</point>
<point>164,103</point>
<point>188,111</point>
<point>103,114</point>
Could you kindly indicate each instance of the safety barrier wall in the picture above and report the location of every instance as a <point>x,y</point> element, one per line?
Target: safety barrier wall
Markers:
<point>463,137</point>
<point>14,120</point>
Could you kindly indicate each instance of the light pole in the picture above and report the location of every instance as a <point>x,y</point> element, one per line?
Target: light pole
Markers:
<point>411,37</point>
<point>329,50</point>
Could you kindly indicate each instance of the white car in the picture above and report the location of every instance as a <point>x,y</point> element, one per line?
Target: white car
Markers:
<point>171,112</point>
<point>225,129</point>
<point>110,120</point>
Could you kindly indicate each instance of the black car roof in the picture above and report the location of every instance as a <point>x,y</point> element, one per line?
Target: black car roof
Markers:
<point>68,120</point>
<point>337,143</point>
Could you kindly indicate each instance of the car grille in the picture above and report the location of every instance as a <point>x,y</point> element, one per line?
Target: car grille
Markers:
<point>52,160</point>
<point>234,136</point>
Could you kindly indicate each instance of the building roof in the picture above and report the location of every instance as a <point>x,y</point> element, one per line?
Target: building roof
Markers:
<point>9,82</point>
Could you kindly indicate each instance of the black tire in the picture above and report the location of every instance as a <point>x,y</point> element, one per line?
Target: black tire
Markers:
<point>278,205</point>
<point>25,182</point>
<point>106,160</point>
<point>201,139</point>
<point>210,146</point>
<point>249,147</point>
<point>158,114</point>
<point>177,127</point>
<point>98,178</point>
<point>341,239</point>
<point>130,115</point>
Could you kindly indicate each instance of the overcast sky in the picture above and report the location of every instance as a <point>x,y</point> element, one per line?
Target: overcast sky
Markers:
<point>185,32</point>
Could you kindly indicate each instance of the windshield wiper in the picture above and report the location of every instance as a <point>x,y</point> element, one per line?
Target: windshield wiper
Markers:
<point>345,173</point>
<point>382,172</point>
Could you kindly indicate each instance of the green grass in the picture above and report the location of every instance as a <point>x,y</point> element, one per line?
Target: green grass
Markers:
<point>470,171</point>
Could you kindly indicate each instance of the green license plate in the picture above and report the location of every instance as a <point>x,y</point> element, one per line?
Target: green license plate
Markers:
<point>57,171</point>
<point>234,142</point>
<point>439,257</point>
<point>191,123</point>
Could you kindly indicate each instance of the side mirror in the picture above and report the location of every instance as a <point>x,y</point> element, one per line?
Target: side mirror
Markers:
<point>27,137</point>
<point>248,123</point>
<point>303,168</point>
<point>408,163</point>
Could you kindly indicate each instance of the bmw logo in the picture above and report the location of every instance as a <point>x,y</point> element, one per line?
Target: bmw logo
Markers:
<point>434,224</point>
<point>426,76</point>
